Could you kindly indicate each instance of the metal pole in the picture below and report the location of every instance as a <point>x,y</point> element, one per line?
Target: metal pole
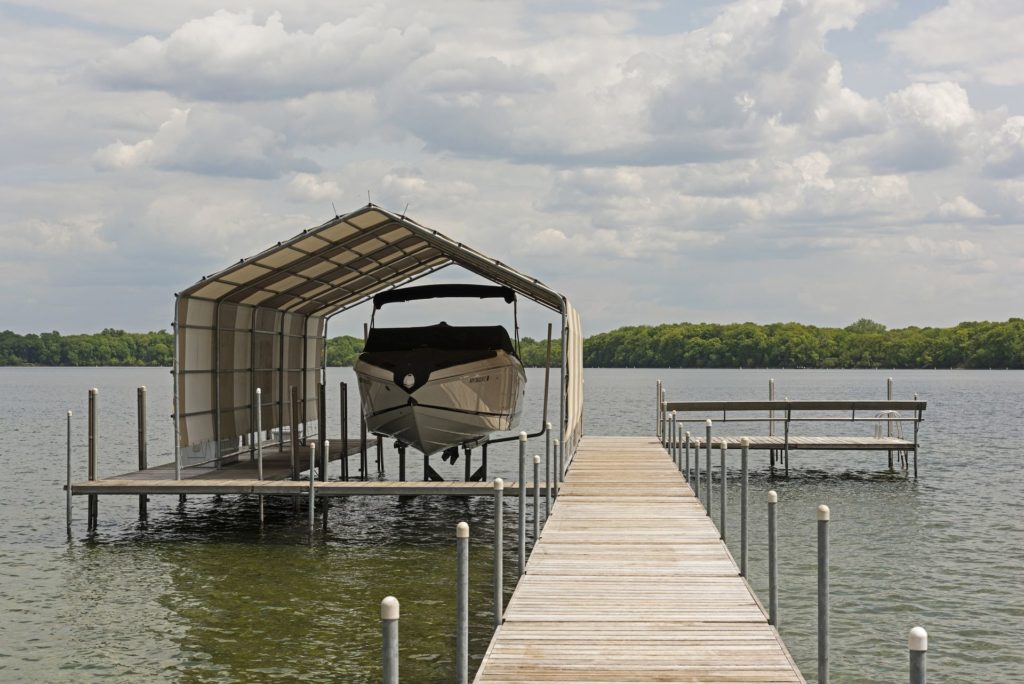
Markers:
<point>293,420</point>
<point>69,475</point>
<point>823,632</point>
<point>536,499</point>
<point>674,443</point>
<point>773,561</point>
<point>93,498</point>
<point>462,604</point>
<point>499,590</point>
<point>918,643</point>
<point>259,444</point>
<point>657,409</point>
<point>771,420</point>
<point>547,471</point>
<point>312,485</point>
<point>344,432</point>
<point>389,610</point>
<point>745,453</point>
<point>522,504</point>
<point>558,466</point>
<point>686,467</point>
<point>142,446</point>
<point>724,497</point>
<point>695,481</point>
<point>363,466</point>
<point>709,495</point>
<point>888,432</point>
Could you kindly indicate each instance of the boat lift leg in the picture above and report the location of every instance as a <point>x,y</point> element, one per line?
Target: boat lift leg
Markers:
<point>481,473</point>
<point>429,474</point>
<point>401,462</point>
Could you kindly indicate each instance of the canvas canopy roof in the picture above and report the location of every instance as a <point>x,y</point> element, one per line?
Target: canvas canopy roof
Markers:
<point>261,323</point>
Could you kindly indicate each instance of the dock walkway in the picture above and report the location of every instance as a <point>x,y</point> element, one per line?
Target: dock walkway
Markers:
<point>629,582</point>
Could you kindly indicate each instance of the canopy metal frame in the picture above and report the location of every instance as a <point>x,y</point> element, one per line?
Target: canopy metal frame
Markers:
<point>296,287</point>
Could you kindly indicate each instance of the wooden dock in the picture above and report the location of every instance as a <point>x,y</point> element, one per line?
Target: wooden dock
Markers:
<point>630,582</point>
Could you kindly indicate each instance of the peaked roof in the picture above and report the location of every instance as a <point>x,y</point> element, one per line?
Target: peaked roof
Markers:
<point>345,261</point>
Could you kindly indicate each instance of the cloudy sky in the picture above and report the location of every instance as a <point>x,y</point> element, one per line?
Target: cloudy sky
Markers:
<point>760,160</point>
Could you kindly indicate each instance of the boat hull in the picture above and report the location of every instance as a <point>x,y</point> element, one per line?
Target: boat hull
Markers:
<point>460,404</point>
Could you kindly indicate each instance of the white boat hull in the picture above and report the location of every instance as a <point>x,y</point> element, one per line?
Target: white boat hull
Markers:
<point>457,405</point>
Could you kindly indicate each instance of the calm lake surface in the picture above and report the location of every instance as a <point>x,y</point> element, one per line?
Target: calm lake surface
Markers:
<point>202,593</point>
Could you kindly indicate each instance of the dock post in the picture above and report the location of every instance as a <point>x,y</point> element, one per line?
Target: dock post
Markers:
<point>773,561</point>
<point>888,431</point>
<point>462,604</point>
<point>325,504</point>
<point>312,485</point>
<point>657,409</point>
<point>344,432</point>
<point>293,424</point>
<point>69,475</point>
<point>771,421</point>
<point>709,495</point>
<point>745,454</point>
<point>499,589</point>
<point>93,498</point>
<point>547,471</point>
<point>389,610</point>
<point>522,504</point>
<point>695,481</point>
<point>380,455</point>
<point>723,499</point>
<point>143,499</point>
<point>686,468</point>
<point>363,466</point>
<point>557,464</point>
<point>673,444</point>
<point>536,499</point>
<point>918,643</point>
<point>823,627</point>
<point>259,444</point>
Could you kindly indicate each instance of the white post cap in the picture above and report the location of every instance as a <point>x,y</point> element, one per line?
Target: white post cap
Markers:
<point>773,496</point>
<point>555,441</point>
<point>259,391</point>
<point>522,436</point>
<point>536,458</point>
<point>462,530</point>
<point>918,640</point>
<point>312,446</point>
<point>673,413</point>
<point>94,391</point>
<point>708,422</point>
<point>824,513</point>
<point>389,608</point>
<point>142,387</point>
<point>548,426</point>
<point>327,445</point>
<point>499,484</point>
<point>724,444</point>
<point>687,433</point>
<point>69,414</point>
<point>745,441</point>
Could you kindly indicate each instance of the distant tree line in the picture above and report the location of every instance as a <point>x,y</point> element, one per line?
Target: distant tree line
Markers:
<point>864,344</point>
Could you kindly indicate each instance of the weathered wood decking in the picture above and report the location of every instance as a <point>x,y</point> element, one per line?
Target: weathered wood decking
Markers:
<point>630,582</point>
<point>779,442</point>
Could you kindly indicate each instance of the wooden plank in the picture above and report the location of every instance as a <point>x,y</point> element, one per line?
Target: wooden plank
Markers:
<point>630,582</point>
<point>799,405</point>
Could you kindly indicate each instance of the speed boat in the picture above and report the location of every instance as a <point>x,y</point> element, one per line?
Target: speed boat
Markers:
<point>439,387</point>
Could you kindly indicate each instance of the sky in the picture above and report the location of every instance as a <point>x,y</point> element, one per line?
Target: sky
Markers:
<point>816,161</point>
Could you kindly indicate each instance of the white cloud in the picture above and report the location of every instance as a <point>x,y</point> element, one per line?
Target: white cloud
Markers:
<point>966,40</point>
<point>959,208</point>
<point>310,188</point>
<point>230,56</point>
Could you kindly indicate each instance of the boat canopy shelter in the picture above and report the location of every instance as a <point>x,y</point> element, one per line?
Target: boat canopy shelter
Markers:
<point>262,323</point>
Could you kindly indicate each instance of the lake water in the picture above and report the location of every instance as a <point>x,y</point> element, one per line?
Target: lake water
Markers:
<point>202,593</point>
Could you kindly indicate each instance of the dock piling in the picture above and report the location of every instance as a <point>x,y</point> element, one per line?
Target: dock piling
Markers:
<point>143,499</point>
<point>723,499</point>
<point>259,444</point>
<point>709,495</point>
<point>344,432</point>
<point>657,409</point>
<point>547,471</point>
<point>499,579</point>
<point>312,485</point>
<point>389,610</point>
<point>558,464</point>
<point>293,419</point>
<point>536,499</point>
<point>462,604</point>
<point>773,561</point>
<point>744,458</point>
<point>686,467</point>
<point>918,643</point>
<point>888,431</point>
<point>93,513</point>
<point>695,481</point>
<point>522,504</point>
<point>674,444</point>
<point>69,476</point>
<point>823,515</point>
